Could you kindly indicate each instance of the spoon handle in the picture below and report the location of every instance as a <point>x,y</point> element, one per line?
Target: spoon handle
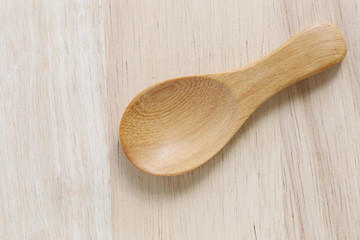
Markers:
<point>311,51</point>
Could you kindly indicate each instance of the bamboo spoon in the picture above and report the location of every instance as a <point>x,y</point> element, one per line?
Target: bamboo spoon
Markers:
<point>177,125</point>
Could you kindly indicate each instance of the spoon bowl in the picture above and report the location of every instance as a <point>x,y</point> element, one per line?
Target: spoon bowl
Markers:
<point>186,119</point>
<point>179,124</point>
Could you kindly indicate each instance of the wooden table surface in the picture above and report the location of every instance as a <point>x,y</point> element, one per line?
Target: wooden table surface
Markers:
<point>68,70</point>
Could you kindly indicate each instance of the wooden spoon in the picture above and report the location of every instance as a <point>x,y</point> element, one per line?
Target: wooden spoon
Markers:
<point>177,125</point>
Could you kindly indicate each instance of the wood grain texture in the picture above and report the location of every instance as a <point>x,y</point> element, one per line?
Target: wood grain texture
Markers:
<point>68,70</point>
<point>179,124</point>
<point>54,168</point>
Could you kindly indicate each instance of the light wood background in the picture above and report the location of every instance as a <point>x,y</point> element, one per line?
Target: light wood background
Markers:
<point>69,68</point>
